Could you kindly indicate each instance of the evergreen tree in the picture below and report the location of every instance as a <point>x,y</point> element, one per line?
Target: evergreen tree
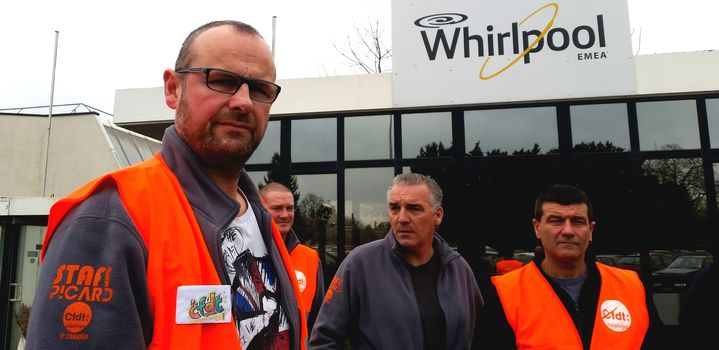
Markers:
<point>281,175</point>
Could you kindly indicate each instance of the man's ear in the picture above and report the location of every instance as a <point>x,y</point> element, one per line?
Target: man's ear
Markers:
<point>535,224</point>
<point>173,88</point>
<point>438,216</point>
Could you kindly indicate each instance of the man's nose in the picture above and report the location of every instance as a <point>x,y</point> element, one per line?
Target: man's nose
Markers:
<point>567,227</point>
<point>403,217</point>
<point>241,100</point>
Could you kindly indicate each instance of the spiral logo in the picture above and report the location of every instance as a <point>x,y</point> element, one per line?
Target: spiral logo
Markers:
<point>440,19</point>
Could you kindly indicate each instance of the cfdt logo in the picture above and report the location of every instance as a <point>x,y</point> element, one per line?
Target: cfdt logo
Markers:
<point>440,34</point>
<point>207,307</point>
<point>301,280</point>
<point>615,315</point>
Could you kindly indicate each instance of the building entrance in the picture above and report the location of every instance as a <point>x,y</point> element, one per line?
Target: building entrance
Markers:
<point>21,241</point>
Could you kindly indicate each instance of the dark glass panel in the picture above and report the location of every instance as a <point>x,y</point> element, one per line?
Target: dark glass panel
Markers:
<point>316,217</point>
<point>511,131</point>
<point>314,140</point>
<point>366,216</point>
<point>600,128</point>
<point>713,119</point>
<point>269,146</point>
<point>426,135</point>
<point>668,125</point>
<point>369,137</point>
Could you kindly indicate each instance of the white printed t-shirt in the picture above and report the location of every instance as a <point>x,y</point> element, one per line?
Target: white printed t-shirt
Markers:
<point>261,321</point>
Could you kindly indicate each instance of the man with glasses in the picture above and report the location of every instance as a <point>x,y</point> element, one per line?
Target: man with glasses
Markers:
<point>171,253</point>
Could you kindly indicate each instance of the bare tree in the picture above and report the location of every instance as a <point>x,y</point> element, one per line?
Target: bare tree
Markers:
<point>367,50</point>
<point>684,173</point>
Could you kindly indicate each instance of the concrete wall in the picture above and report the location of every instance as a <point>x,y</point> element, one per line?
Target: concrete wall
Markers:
<point>655,74</point>
<point>141,105</point>
<point>308,95</point>
<point>674,73</point>
<point>340,93</point>
<point>78,152</point>
<point>22,155</point>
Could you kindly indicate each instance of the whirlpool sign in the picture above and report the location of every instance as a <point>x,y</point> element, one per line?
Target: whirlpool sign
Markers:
<point>464,52</point>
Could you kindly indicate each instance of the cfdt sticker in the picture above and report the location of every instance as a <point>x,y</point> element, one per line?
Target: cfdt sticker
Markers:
<point>301,280</point>
<point>203,304</point>
<point>615,315</point>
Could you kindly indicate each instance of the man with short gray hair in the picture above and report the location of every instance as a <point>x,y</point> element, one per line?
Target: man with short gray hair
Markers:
<point>409,290</point>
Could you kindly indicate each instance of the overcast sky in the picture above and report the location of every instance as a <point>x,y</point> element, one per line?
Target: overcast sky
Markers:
<point>104,46</point>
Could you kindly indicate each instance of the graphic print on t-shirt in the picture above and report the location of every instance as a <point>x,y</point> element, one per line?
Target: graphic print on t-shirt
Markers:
<point>261,321</point>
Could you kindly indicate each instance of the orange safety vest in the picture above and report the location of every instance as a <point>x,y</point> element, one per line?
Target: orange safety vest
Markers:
<point>177,253</point>
<point>306,262</point>
<point>504,266</point>
<point>540,321</point>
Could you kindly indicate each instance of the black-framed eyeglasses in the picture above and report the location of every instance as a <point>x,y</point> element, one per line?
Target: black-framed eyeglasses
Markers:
<point>227,82</point>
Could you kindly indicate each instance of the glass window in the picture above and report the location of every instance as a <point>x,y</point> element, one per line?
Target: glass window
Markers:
<point>2,244</point>
<point>369,137</point>
<point>269,146</point>
<point>426,135</point>
<point>713,119</point>
<point>668,125</point>
<point>608,183</point>
<point>316,217</point>
<point>716,181</point>
<point>27,275</point>
<point>673,189</point>
<point>366,217</point>
<point>257,177</point>
<point>511,131</point>
<point>600,128</point>
<point>314,140</point>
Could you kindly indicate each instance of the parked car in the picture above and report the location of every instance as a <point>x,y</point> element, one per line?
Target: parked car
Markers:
<point>657,261</point>
<point>523,256</point>
<point>677,277</point>
<point>608,259</point>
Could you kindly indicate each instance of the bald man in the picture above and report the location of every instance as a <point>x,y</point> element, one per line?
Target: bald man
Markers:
<point>178,252</point>
<point>281,204</point>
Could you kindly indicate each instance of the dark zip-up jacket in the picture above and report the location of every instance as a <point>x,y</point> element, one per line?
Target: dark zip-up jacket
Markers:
<point>99,232</point>
<point>371,300</point>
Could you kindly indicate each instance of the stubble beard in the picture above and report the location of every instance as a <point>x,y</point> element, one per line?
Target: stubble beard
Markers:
<point>210,147</point>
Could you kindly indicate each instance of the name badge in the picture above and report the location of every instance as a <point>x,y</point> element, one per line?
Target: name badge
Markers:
<point>203,304</point>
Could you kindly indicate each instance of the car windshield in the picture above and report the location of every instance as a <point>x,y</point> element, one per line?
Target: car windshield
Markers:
<point>688,262</point>
<point>629,260</point>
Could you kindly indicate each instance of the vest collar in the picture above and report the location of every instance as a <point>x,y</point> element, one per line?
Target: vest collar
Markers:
<point>291,240</point>
<point>204,196</point>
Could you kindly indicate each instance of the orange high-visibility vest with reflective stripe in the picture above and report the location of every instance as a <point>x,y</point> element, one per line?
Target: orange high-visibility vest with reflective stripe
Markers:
<point>306,261</point>
<point>177,253</point>
<point>540,321</point>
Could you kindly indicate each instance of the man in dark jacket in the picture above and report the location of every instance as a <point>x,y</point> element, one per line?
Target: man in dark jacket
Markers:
<point>563,299</point>
<point>409,290</point>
